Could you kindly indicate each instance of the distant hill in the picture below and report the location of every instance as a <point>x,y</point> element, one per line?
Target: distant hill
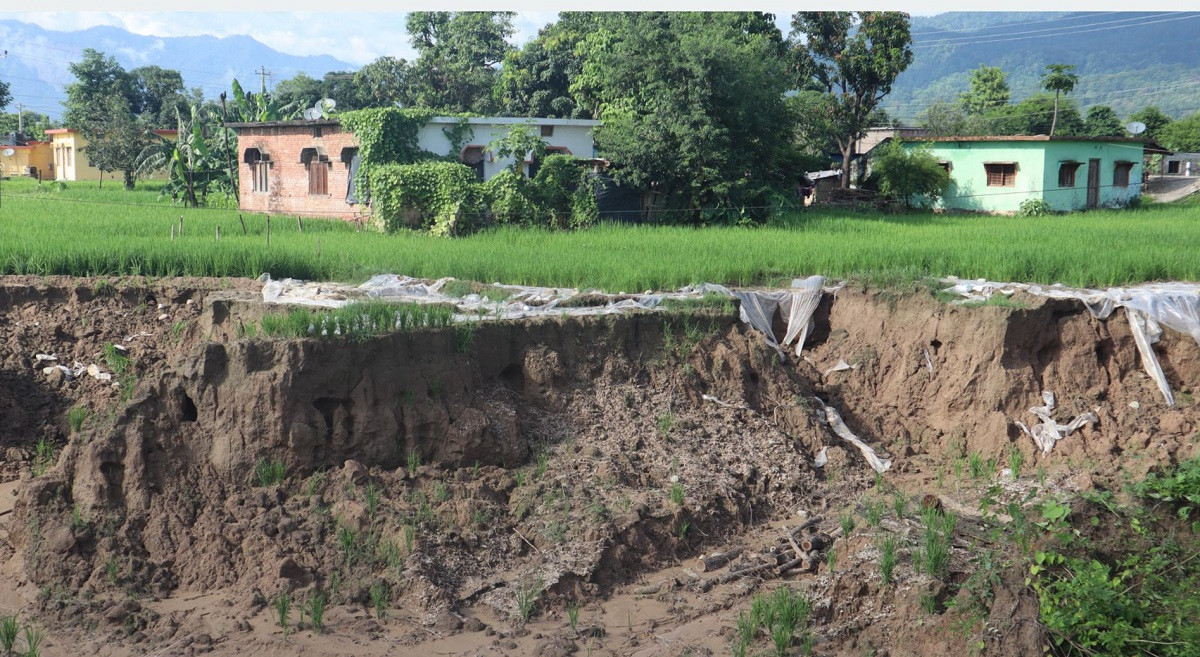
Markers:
<point>36,65</point>
<point>1125,60</point>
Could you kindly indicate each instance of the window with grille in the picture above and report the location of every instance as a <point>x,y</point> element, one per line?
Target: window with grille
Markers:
<point>262,175</point>
<point>1001,174</point>
<point>1066,173</point>
<point>547,131</point>
<point>1121,174</point>
<point>318,177</point>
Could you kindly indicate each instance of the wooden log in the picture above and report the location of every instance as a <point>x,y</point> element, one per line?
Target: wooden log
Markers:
<point>815,542</point>
<point>718,559</point>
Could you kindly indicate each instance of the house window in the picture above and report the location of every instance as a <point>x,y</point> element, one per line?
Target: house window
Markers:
<point>317,163</point>
<point>1001,174</point>
<point>1121,173</point>
<point>1066,173</point>
<point>1173,166</point>
<point>945,165</point>
<point>473,156</point>
<point>260,169</point>
<point>547,131</point>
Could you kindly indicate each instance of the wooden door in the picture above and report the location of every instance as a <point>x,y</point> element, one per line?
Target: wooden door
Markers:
<point>1093,190</point>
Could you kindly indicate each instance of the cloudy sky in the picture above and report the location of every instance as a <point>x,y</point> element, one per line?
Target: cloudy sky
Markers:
<point>361,36</point>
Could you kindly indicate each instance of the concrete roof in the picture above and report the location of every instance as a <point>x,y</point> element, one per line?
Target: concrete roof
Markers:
<point>476,120</point>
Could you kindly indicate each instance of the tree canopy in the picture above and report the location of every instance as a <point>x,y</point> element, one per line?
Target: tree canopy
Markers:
<point>1102,121</point>
<point>855,57</point>
<point>458,52</point>
<point>1182,135</point>
<point>989,90</point>
<point>1059,79</point>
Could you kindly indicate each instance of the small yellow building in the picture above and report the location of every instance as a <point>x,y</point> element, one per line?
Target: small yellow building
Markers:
<point>31,159</point>
<point>70,160</point>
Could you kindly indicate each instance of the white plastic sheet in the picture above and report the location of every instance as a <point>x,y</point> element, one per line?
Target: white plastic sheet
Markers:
<point>796,305</point>
<point>839,427</point>
<point>1048,432</point>
<point>1148,307</point>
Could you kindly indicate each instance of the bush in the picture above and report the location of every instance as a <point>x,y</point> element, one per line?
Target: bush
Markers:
<point>564,192</point>
<point>1180,487</point>
<point>1034,207</point>
<point>909,174</point>
<point>444,197</point>
<point>510,197</point>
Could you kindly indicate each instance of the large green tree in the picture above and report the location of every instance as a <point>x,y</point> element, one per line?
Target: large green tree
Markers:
<point>157,94</point>
<point>693,106</point>
<point>1059,79</point>
<point>1182,135</point>
<point>116,136</point>
<point>855,57</point>
<point>98,77</point>
<point>536,80</point>
<point>1102,121</point>
<point>459,52</point>
<point>383,82</point>
<point>1154,119</point>
<point>1035,115</point>
<point>989,89</point>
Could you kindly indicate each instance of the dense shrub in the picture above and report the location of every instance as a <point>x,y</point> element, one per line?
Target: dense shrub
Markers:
<point>910,174</point>
<point>443,197</point>
<point>564,192</point>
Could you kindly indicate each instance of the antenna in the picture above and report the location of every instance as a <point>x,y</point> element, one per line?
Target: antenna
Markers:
<point>1136,128</point>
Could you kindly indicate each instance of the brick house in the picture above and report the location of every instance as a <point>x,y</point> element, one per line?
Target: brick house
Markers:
<point>307,167</point>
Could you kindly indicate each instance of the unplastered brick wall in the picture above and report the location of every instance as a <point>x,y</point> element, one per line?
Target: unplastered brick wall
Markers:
<point>288,179</point>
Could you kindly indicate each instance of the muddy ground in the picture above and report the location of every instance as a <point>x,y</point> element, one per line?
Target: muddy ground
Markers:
<point>437,486</point>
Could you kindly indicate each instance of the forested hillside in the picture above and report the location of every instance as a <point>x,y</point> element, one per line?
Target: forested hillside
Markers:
<point>1124,60</point>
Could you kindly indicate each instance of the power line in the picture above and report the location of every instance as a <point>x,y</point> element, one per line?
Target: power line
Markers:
<point>1007,25</point>
<point>1069,32</point>
<point>972,39</point>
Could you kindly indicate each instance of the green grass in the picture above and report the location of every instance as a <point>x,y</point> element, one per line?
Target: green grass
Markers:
<point>90,232</point>
<point>355,320</point>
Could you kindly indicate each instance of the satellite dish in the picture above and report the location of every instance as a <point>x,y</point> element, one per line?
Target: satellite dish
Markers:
<point>1136,128</point>
<point>327,103</point>
<point>8,152</point>
<point>312,114</point>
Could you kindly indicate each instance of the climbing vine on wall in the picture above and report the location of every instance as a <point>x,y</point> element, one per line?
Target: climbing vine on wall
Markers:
<point>442,197</point>
<point>386,135</point>
<point>460,133</point>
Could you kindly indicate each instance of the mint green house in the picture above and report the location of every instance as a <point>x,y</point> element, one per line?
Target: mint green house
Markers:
<point>996,174</point>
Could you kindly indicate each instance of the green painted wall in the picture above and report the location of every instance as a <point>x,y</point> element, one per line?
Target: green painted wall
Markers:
<point>1038,163</point>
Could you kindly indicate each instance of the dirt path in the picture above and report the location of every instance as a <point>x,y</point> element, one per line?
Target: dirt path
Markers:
<point>1168,189</point>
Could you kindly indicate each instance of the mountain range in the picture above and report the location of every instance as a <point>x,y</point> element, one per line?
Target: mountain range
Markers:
<point>1126,60</point>
<point>35,65</point>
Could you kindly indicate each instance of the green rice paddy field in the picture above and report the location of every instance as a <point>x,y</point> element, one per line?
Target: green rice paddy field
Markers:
<point>83,231</point>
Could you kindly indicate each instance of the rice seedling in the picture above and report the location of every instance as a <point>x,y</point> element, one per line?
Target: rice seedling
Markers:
<point>269,472</point>
<point>573,614</point>
<point>899,505</point>
<point>315,606</point>
<point>1016,458</point>
<point>124,239</point>
<point>526,595</point>
<point>677,494</point>
<point>847,522</point>
<point>543,462</point>
<point>283,609</point>
<point>414,462</point>
<point>780,615</point>
<point>34,637</point>
<point>76,417</point>
<point>43,457</point>
<point>380,598</point>
<point>372,495</point>
<point>10,629</point>
<point>359,320</point>
<point>933,550</point>
<point>664,422</point>
<point>116,359</point>
<point>873,511</point>
<point>887,558</point>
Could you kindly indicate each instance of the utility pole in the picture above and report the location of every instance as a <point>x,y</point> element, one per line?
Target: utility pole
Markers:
<point>20,115</point>
<point>263,74</point>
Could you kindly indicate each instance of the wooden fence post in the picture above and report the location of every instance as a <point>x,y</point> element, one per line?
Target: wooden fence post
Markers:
<point>243,224</point>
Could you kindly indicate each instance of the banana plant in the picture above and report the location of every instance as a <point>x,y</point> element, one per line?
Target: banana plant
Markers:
<point>251,107</point>
<point>197,160</point>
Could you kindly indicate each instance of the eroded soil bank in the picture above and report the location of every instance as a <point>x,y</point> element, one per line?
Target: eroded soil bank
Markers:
<point>458,479</point>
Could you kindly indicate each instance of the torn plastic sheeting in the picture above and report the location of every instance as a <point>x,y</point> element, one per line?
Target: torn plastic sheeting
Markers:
<point>1047,433</point>
<point>822,458</point>
<point>1175,305</point>
<point>839,427</point>
<point>796,304</point>
<point>841,366</point>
